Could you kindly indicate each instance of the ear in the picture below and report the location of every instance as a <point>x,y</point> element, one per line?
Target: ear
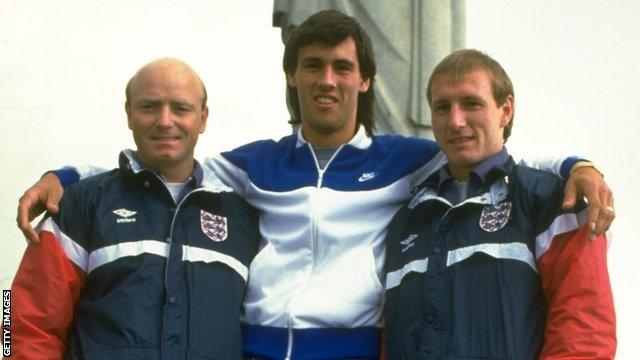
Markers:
<point>127,109</point>
<point>203,117</point>
<point>291,80</point>
<point>507,109</point>
<point>364,85</point>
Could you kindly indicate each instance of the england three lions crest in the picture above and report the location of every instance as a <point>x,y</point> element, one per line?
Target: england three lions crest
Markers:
<point>494,217</point>
<point>214,226</point>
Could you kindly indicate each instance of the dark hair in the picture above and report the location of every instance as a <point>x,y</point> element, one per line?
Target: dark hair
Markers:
<point>460,63</point>
<point>331,27</point>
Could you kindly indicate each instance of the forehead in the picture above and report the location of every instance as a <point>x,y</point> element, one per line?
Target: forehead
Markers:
<point>167,82</point>
<point>345,50</point>
<point>474,83</point>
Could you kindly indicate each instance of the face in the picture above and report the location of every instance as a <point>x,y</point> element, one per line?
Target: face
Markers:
<point>165,115</point>
<point>467,122</point>
<point>328,82</point>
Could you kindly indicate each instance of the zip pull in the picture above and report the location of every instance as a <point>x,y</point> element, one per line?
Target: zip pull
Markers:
<point>289,338</point>
<point>321,170</point>
<point>320,175</point>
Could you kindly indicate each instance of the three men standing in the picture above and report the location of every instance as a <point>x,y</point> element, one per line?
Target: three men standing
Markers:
<point>325,195</point>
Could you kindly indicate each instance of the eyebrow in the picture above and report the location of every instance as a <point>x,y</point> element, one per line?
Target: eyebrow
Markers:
<point>339,61</point>
<point>171,102</point>
<point>345,62</point>
<point>308,59</point>
<point>180,102</point>
<point>463,98</point>
<point>473,98</point>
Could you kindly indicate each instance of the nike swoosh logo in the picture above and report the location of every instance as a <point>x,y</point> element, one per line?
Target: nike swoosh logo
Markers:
<point>367,176</point>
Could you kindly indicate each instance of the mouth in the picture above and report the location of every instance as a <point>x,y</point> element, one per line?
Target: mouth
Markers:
<point>165,138</point>
<point>459,140</point>
<point>325,99</point>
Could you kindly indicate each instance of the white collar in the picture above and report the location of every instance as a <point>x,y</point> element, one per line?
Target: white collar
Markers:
<point>360,140</point>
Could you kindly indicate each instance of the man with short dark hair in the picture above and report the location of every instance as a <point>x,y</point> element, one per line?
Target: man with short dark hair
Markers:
<point>483,263</point>
<point>148,261</point>
<point>326,195</point>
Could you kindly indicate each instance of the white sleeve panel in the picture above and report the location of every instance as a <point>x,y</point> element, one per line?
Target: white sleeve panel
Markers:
<point>86,171</point>
<point>552,165</point>
<point>229,173</point>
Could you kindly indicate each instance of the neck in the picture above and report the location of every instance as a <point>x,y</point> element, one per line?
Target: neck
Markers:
<point>460,173</point>
<point>328,140</point>
<point>175,173</point>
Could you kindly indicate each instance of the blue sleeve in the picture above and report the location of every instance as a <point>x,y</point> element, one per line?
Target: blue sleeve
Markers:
<point>67,175</point>
<point>567,165</point>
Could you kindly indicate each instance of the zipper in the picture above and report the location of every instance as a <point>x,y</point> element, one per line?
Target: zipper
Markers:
<point>314,245</point>
<point>173,217</point>
<point>169,240</point>
<point>314,223</point>
<point>173,220</point>
<point>289,338</point>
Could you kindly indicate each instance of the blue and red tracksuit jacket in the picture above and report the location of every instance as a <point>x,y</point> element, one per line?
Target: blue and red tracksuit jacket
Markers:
<point>123,272</point>
<point>505,274</point>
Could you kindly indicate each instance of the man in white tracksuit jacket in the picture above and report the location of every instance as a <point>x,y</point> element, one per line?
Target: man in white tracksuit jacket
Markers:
<point>326,195</point>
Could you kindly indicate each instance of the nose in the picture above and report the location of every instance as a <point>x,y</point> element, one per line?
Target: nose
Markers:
<point>165,117</point>
<point>327,79</point>
<point>457,118</point>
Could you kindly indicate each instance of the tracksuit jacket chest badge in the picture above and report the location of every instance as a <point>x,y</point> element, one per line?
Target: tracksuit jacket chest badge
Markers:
<point>214,226</point>
<point>495,216</point>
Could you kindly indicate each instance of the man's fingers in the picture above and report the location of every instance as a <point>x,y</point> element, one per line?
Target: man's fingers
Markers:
<point>604,220</point>
<point>43,195</point>
<point>52,207</point>
<point>589,182</point>
<point>592,222</point>
<point>611,211</point>
<point>601,216</point>
<point>570,195</point>
<point>31,235</point>
<point>605,217</point>
<point>597,211</point>
<point>603,202</point>
<point>53,192</point>
<point>24,219</point>
<point>27,230</point>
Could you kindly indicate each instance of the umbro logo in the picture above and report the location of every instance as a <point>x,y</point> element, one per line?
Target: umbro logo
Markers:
<point>409,242</point>
<point>367,176</point>
<point>125,215</point>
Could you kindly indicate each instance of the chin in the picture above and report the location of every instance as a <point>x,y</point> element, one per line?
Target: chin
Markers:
<point>163,156</point>
<point>462,160</point>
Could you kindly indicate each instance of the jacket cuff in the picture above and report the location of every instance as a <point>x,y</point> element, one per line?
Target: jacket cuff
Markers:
<point>69,175</point>
<point>567,165</point>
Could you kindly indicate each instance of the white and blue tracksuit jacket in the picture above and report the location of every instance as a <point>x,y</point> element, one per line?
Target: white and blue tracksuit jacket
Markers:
<point>315,289</point>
